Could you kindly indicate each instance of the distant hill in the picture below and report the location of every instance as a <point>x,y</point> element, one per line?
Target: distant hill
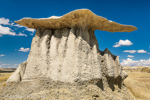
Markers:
<point>136,69</point>
<point>7,70</point>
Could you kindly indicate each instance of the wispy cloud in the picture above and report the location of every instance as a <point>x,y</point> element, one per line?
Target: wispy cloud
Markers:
<point>4,21</point>
<point>2,55</point>
<point>31,33</point>
<point>123,43</point>
<point>6,31</point>
<point>141,51</point>
<point>5,64</point>
<point>26,28</point>
<point>11,27</point>
<point>30,29</point>
<point>130,51</point>
<point>21,34</point>
<point>24,49</point>
<point>130,56</point>
<point>17,25</point>
<point>130,62</point>
<point>134,51</point>
<point>13,66</point>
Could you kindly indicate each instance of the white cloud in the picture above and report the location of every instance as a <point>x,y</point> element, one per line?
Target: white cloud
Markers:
<point>4,21</point>
<point>12,24</point>
<point>0,66</point>
<point>2,55</point>
<point>123,43</point>
<point>130,62</point>
<point>21,34</point>
<point>30,29</point>
<point>130,51</point>
<point>141,51</point>
<point>148,53</point>
<point>24,49</point>
<point>13,66</point>
<point>5,64</point>
<point>6,31</point>
<point>0,62</point>
<point>130,56</point>
<point>17,25</point>
<point>31,34</point>
<point>110,20</point>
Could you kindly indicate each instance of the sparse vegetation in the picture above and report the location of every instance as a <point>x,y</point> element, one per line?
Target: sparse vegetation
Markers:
<point>146,69</point>
<point>4,84</point>
<point>3,79</point>
<point>4,76</point>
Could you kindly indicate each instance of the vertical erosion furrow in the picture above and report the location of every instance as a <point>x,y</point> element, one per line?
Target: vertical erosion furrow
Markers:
<point>53,57</point>
<point>44,46</point>
<point>70,55</point>
<point>79,53</point>
<point>62,49</point>
<point>68,67</point>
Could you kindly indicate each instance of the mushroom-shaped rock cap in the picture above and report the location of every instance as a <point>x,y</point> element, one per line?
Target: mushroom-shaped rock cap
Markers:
<point>77,18</point>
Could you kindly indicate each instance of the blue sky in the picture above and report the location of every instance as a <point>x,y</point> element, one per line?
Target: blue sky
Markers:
<point>133,48</point>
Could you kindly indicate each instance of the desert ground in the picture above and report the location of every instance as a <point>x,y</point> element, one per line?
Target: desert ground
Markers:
<point>137,82</point>
<point>5,74</point>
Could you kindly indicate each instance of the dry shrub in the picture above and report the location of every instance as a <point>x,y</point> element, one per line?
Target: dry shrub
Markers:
<point>146,69</point>
<point>4,84</point>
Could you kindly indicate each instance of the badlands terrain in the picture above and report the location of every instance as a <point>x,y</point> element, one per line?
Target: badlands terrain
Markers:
<point>137,82</point>
<point>65,63</point>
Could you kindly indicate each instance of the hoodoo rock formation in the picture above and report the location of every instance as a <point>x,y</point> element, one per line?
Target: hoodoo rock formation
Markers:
<point>66,50</point>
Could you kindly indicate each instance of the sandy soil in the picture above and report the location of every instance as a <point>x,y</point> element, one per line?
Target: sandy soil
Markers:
<point>4,75</point>
<point>137,82</point>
